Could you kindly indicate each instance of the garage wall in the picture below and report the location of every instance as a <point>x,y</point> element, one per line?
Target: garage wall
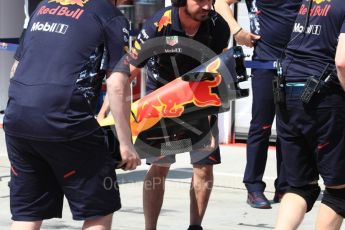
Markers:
<point>11,25</point>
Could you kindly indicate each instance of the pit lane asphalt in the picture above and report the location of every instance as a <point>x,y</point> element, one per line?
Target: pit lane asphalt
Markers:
<point>227,208</point>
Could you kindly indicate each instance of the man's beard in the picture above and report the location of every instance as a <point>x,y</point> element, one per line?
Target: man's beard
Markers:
<point>194,17</point>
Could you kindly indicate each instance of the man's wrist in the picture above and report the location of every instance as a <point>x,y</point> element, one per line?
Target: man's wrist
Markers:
<point>238,31</point>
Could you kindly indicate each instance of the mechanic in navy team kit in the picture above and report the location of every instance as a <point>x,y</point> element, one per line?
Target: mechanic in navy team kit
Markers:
<point>55,146</point>
<point>193,19</point>
<point>311,122</point>
<point>273,21</point>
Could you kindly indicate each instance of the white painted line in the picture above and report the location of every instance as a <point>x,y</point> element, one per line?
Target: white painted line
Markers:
<point>237,175</point>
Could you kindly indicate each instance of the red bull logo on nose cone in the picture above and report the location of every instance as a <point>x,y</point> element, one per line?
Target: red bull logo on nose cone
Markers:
<point>169,101</point>
<point>213,66</point>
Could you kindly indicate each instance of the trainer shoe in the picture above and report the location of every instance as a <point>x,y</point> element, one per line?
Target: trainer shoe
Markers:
<point>258,200</point>
<point>278,197</point>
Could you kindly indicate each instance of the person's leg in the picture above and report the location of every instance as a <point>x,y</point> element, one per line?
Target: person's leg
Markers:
<point>280,182</point>
<point>35,194</point>
<point>101,223</point>
<point>328,219</point>
<point>332,209</point>
<point>86,173</point>
<point>201,187</point>
<point>331,163</point>
<point>295,203</point>
<point>202,181</point>
<point>153,194</point>
<point>26,225</point>
<point>291,212</point>
<point>263,112</point>
<point>296,130</point>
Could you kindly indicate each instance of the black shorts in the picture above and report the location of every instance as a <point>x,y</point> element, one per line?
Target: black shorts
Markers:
<point>43,172</point>
<point>313,137</point>
<point>198,156</point>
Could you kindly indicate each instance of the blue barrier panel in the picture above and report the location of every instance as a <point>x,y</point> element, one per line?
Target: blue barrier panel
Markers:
<point>8,46</point>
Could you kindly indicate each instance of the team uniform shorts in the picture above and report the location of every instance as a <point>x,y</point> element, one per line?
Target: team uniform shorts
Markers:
<point>313,136</point>
<point>198,155</point>
<point>43,172</point>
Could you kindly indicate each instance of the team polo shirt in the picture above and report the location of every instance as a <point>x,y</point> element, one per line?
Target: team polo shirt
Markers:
<point>273,20</point>
<point>213,32</point>
<point>62,59</point>
<point>315,47</point>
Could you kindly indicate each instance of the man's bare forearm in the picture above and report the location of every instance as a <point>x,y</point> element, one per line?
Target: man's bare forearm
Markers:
<point>118,93</point>
<point>241,36</point>
<point>223,8</point>
<point>120,105</point>
<point>14,68</point>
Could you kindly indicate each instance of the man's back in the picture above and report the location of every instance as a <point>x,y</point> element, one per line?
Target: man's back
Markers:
<point>315,46</point>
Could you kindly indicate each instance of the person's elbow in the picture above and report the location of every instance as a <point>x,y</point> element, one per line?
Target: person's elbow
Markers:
<point>117,83</point>
<point>112,85</point>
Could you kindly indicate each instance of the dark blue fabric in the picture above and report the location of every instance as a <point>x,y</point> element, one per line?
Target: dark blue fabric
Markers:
<point>214,33</point>
<point>263,112</point>
<point>313,136</point>
<point>311,51</point>
<point>273,21</point>
<point>43,172</point>
<point>62,60</point>
<point>261,64</point>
